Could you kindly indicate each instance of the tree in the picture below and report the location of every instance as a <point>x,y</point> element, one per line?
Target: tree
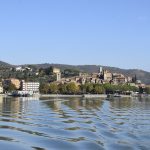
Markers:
<point>53,88</point>
<point>62,88</point>
<point>71,72</point>
<point>98,89</point>
<point>41,72</point>
<point>89,87</point>
<point>44,88</point>
<point>109,88</point>
<point>72,88</point>
<point>49,71</point>
<point>10,87</point>
<point>83,88</point>
<point>141,90</point>
<point>133,88</point>
<point>134,79</point>
<point>147,90</point>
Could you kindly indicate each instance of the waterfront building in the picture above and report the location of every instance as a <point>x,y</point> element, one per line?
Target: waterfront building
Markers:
<point>30,86</point>
<point>1,88</point>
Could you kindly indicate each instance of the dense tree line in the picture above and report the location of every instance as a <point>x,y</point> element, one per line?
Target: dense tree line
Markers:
<point>9,88</point>
<point>88,88</point>
<point>147,90</point>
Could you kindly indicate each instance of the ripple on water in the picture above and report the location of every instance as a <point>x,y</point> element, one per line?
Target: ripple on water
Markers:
<point>122,124</point>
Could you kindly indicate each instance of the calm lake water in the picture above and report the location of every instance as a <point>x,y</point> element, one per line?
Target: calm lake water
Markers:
<point>74,124</point>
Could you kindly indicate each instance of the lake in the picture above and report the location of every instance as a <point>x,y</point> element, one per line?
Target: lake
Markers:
<point>74,124</point>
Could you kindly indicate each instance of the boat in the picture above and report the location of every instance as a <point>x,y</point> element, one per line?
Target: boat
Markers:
<point>111,96</point>
<point>116,95</point>
<point>22,93</point>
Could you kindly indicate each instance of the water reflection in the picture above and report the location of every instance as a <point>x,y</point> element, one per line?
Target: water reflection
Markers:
<point>14,105</point>
<point>55,105</point>
<point>74,103</point>
<point>129,103</point>
<point>9,106</point>
<point>77,103</point>
<point>74,123</point>
<point>121,103</point>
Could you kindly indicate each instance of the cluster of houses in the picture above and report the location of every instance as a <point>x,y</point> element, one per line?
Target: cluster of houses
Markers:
<point>101,77</point>
<point>19,68</point>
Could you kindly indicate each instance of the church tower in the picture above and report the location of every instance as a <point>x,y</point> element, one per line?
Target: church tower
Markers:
<point>101,70</point>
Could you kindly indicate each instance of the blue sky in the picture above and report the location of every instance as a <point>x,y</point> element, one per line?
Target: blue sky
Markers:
<point>102,32</point>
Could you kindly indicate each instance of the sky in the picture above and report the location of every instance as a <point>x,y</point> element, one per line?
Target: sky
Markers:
<point>77,32</point>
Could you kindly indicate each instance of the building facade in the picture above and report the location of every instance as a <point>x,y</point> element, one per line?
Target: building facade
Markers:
<point>30,86</point>
<point>1,88</point>
<point>119,78</point>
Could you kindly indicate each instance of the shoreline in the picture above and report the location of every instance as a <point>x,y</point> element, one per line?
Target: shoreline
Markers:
<point>78,96</point>
<point>81,96</point>
<point>58,95</point>
<point>67,96</point>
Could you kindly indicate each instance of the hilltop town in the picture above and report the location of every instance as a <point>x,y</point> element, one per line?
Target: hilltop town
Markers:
<point>29,80</point>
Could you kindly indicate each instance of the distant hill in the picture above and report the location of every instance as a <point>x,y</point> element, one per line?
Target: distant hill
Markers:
<point>4,65</point>
<point>142,75</point>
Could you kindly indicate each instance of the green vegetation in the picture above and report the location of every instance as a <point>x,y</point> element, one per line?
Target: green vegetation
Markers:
<point>53,88</point>
<point>9,88</point>
<point>44,88</point>
<point>70,73</point>
<point>36,75</point>
<point>98,89</point>
<point>72,88</point>
<point>109,88</point>
<point>62,88</point>
<point>46,71</point>
<point>147,90</point>
<point>88,88</point>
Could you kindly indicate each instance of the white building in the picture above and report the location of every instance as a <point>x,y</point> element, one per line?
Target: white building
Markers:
<point>1,89</point>
<point>19,69</point>
<point>30,86</point>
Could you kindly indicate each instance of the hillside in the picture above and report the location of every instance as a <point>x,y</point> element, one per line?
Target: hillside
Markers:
<point>142,75</point>
<point>4,65</point>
